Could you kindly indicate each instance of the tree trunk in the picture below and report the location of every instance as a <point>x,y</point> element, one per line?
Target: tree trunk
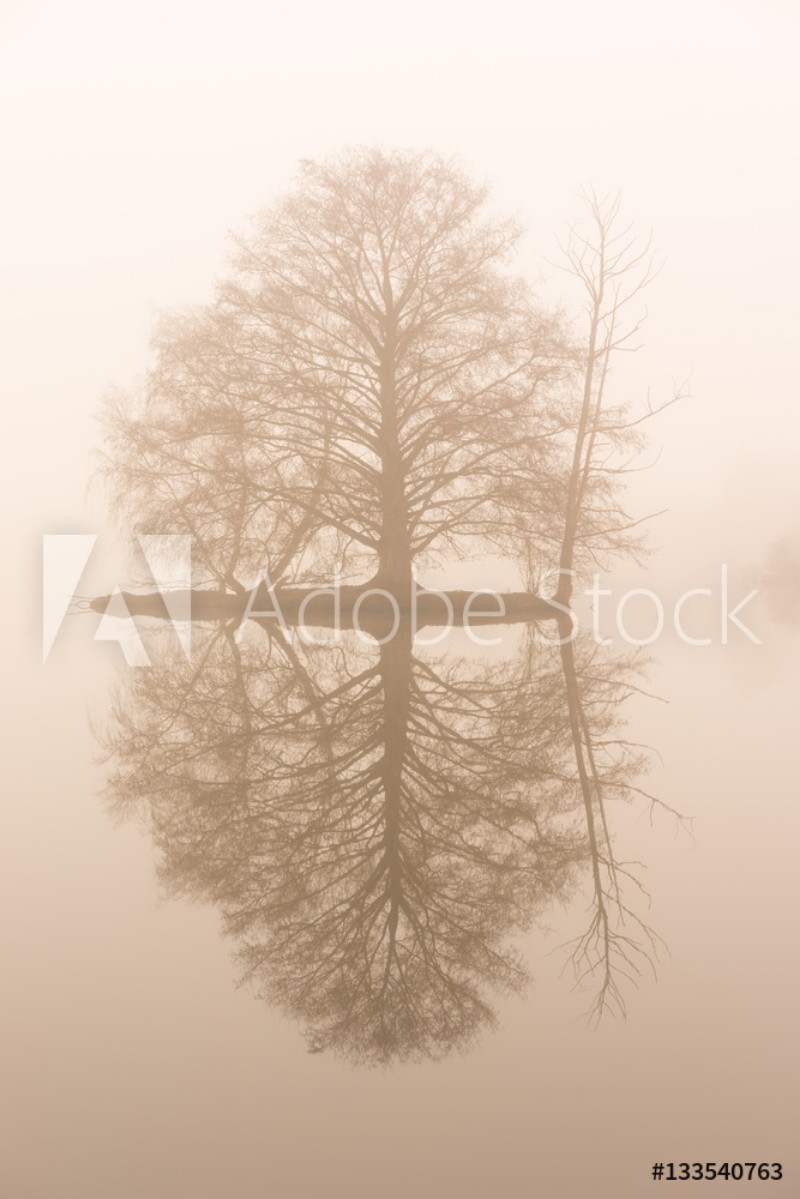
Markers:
<point>394,552</point>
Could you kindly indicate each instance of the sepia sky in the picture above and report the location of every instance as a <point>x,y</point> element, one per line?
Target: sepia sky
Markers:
<point>134,138</point>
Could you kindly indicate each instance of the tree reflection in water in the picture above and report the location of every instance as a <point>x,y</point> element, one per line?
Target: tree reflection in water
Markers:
<point>374,824</point>
<point>372,388</point>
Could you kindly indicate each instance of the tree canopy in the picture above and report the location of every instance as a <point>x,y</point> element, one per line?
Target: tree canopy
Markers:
<point>372,381</point>
<point>373,389</point>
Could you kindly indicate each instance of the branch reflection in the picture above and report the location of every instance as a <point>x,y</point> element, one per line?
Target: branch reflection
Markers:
<point>374,823</point>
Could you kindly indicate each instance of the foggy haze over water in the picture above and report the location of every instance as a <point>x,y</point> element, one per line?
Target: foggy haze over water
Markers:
<point>132,1064</point>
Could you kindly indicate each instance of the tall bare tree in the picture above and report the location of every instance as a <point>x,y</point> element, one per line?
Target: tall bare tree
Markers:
<point>371,378</point>
<point>373,387</point>
<point>613,267</point>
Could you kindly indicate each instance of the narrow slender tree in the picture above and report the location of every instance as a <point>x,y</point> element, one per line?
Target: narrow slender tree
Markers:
<point>613,268</point>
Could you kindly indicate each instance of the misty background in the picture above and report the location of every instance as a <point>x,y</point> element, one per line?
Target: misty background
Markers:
<point>133,141</point>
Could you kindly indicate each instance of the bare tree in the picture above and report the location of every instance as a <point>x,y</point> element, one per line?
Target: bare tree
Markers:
<point>613,267</point>
<point>373,386</point>
<point>371,380</point>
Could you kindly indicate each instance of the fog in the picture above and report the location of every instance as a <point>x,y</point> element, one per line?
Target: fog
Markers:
<point>134,141</point>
